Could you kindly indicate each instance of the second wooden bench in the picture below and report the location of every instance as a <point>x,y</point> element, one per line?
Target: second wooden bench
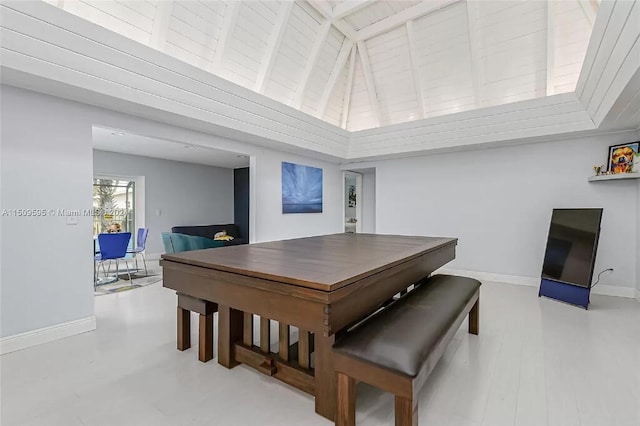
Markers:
<point>396,349</point>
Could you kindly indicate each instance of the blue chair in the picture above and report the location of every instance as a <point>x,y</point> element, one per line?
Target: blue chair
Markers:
<point>141,242</point>
<point>113,247</point>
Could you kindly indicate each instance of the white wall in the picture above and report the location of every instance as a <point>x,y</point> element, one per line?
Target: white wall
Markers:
<point>185,193</point>
<point>498,203</point>
<point>369,201</point>
<point>47,265</point>
<point>266,186</point>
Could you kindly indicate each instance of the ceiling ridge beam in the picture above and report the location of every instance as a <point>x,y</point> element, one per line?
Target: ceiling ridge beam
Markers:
<point>333,77</point>
<point>551,11</point>
<point>311,63</point>
<point>160,28</point>
<point>229,23</point>
<point>348,7</point>
<point>324,9</point>
<point>400,18</point>
<point>368,79</point>
<point>273,45</point>
<point>347,96</point>
<point>413,59</point>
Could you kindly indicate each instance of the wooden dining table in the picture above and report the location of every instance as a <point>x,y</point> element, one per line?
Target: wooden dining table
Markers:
<point>320,285</point>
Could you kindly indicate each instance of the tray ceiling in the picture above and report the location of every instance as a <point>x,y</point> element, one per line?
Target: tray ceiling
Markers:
<point>366,64</point>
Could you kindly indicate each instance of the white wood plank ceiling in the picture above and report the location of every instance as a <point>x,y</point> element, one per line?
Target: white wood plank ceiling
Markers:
<point>362,64</point>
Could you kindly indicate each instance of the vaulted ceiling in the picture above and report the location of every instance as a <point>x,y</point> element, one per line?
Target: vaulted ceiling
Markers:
<point>361,64</point>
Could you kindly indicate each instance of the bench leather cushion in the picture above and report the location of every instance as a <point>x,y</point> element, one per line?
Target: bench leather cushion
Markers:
<point>401,337</point>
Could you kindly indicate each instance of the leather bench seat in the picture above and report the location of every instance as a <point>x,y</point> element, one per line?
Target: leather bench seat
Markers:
<point>401,337</point>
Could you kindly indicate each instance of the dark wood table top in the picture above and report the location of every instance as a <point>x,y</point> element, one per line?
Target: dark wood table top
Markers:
<point>326,262</point>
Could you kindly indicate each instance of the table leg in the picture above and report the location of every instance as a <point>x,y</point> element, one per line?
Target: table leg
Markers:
<point>205,341</point>
<point>230,326</point>
<point>184,329</point>
<point>325,376</point>
<point>346,410</point>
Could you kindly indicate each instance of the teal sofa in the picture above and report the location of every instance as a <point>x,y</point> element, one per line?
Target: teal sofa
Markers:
<point>176,243</point>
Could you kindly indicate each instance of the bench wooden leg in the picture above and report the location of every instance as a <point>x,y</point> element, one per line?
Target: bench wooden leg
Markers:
<point>346,404</point>
<point>205,338</point>
<point>406,411</point>
<point>325,378</point>
<point>184,329</point>
<point>474,318</point>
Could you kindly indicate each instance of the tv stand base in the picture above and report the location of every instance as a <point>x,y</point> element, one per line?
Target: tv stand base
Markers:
<point>568,293</point>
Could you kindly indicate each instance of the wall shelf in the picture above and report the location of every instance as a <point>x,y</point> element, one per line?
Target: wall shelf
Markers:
<point>615,177</point>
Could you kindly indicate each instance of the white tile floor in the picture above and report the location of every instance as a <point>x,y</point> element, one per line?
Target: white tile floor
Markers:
<point>536,362</point>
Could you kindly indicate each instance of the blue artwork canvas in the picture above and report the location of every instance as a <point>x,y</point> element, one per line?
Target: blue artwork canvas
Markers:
<point>301,189</point>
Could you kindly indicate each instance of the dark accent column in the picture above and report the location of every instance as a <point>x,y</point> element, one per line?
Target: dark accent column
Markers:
<point>241,201</point>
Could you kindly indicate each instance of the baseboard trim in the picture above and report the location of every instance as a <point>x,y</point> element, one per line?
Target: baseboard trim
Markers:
<point>638,295</point>
<point>490,276</point>
<point>31,338</point>
<point>612,290</point>
<point>604,290</point>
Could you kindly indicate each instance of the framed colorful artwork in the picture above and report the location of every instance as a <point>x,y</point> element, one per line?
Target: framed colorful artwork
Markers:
<point>621,157</point>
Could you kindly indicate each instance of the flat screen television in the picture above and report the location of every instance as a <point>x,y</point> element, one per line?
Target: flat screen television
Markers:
<point>571,246</point>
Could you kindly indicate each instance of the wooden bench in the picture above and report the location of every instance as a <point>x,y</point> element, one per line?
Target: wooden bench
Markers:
<point>206,309</point>
<point>397,348</point>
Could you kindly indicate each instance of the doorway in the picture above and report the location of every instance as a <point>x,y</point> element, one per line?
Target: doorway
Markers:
<point>352,202</point>
<point>114,202</point>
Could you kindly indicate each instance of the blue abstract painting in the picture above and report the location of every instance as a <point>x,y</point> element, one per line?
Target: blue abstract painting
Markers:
<point>301,189</point>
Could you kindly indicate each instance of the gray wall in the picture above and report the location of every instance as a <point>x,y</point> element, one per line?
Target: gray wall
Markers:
<point>47,265</point>
<point>498,203</point>
<point>369,201</point>
<point>47,162</point>
<point>185,193</point>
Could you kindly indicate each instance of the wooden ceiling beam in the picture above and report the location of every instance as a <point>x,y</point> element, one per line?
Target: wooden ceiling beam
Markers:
<point>474,52</point>
<point>333,77</point>
<point>230,18</point>
<point>323,8</point>
<point>400,18</point>
<point>368,79</point>
<point>273,45</point>
<point>342,10</point>
<point>590,10</point>
<point>413,58</point>
<point>311,63</point>
<point>551,14</point>
<point>347,96</point>
<point>160,27</point>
